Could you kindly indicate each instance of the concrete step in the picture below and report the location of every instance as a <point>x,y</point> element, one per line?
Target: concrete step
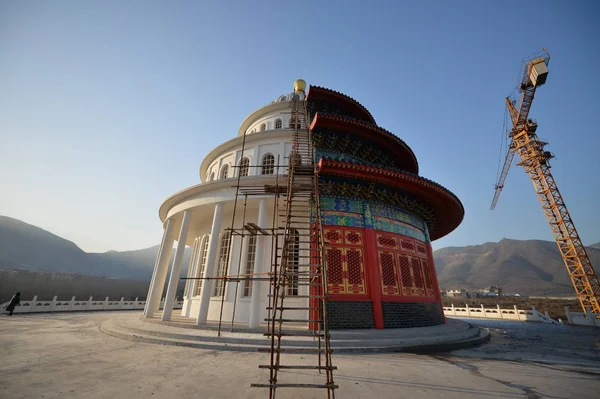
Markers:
<point>353,341</point>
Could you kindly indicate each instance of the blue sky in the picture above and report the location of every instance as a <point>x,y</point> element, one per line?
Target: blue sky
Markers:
<point>107,108</point>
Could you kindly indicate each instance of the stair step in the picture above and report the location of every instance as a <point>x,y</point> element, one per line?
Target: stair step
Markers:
<point>304,265</point>
<point>294,321</point>
<point>294,386</point>
<point>291,367</point>
<point>281,334</point>
<point>295,350</point>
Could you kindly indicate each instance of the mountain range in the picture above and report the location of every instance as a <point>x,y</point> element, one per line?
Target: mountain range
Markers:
<point>24,246</point>
<point>530,267</point>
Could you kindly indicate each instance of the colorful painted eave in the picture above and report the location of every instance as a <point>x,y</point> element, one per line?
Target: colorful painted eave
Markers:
<point>321,93</point>
<point>405,156</point>
<point>448,209</point>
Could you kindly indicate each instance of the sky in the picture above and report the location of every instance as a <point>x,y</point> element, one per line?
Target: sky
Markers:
<point>107,108</point>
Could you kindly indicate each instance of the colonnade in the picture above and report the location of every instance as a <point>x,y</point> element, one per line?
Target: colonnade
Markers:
<point>161,267</point>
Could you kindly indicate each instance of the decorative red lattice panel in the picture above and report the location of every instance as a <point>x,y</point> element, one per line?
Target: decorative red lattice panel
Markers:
<point>427,274</point>
<point>355,283</point>
<point>389,279</point>
<point>345,260</point>
<point>407,258</point>
<point>419,284</point>
<point>405,275</point>
<point>386,241</point>
<point>333,236</point>
<point>407,246</point>
<point>335,270</point>
<point>354,237</point>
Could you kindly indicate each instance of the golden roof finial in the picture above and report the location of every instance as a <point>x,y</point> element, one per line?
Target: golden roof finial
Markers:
<point>299,86</point>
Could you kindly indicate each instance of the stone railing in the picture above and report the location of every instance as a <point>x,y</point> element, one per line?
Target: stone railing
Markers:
<point>75,305</point>
<point>583,319</point>
<point>499,313</point>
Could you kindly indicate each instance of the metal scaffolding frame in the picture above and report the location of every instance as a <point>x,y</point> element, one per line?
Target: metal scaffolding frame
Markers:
<point>296,219</point>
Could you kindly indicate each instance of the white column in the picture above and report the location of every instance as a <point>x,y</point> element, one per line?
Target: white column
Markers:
<point>176,269</point>
<point>209,269</point>
<point>160,271</point>
<point>156,263</point>
<point>254,320</point>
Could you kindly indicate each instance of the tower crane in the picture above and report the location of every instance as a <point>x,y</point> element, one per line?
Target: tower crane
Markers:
<point>536,162</point>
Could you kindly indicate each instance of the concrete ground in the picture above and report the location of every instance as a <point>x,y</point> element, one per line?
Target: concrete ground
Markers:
<point>67,356</point>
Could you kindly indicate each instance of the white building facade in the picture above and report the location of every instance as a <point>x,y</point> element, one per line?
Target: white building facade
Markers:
<point>199,217</point>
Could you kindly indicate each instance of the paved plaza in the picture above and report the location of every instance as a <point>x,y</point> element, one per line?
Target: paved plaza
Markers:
<point>65,355</point>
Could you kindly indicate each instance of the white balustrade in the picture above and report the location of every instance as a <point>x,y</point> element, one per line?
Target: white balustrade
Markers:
<point>509,314</point>
<point>74,305</point>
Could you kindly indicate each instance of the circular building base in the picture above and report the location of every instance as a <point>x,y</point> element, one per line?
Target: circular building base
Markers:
<point>454,334</point>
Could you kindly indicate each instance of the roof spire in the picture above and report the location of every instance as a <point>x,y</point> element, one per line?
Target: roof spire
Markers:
<point>299,86</point>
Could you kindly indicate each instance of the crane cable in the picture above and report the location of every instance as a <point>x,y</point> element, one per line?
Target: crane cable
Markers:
<point>503,144</point>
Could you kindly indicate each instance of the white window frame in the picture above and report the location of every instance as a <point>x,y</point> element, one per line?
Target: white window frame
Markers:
<point>222,263</point>
<point>202,256</point>
<point>268,168</point>
<point>244,168</point>
<point>224,172</point>
<point>249,266</point>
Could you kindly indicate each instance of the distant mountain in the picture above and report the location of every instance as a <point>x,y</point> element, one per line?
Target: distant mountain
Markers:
<point>531,267</point>
<point>139,261</point>
<point>24,246</point>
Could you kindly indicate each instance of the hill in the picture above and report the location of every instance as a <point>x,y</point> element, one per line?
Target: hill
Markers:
<point>531,267</point>
<point>24,246</point>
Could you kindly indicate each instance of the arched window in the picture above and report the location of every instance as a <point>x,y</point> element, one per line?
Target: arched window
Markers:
<point>191,269</point>
<point>263,127</point>
<point>249,269</point>
<point>268,164</point>
<point>224,171</point>
<point>294,122</point>
<point>293,261</point>
<point>223,263</point>
<point>202,256</point>
<point>212,176</point>
<point>244,166</point>
<point>278,124</point>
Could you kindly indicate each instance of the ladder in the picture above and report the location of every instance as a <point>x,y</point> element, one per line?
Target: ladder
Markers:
<point>294,268</point>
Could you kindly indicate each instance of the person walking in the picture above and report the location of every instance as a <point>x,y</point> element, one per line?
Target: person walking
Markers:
<point>14,301</point>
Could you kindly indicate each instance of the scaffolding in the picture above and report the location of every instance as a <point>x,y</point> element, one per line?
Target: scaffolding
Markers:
<point>296,221</point>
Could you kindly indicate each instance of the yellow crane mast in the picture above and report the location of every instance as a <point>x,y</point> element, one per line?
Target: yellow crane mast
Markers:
<point>535,160</point>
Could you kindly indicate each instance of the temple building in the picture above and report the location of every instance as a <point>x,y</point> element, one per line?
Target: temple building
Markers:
<point>378,217</point>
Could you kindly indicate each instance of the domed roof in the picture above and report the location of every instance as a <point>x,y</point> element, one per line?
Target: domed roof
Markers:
<point>350,106</point>
<point>387,141</point>
<point>289,97</point>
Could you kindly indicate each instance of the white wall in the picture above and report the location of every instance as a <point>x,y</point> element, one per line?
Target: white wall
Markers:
<point>254,152</point>
<point>242,307</point>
